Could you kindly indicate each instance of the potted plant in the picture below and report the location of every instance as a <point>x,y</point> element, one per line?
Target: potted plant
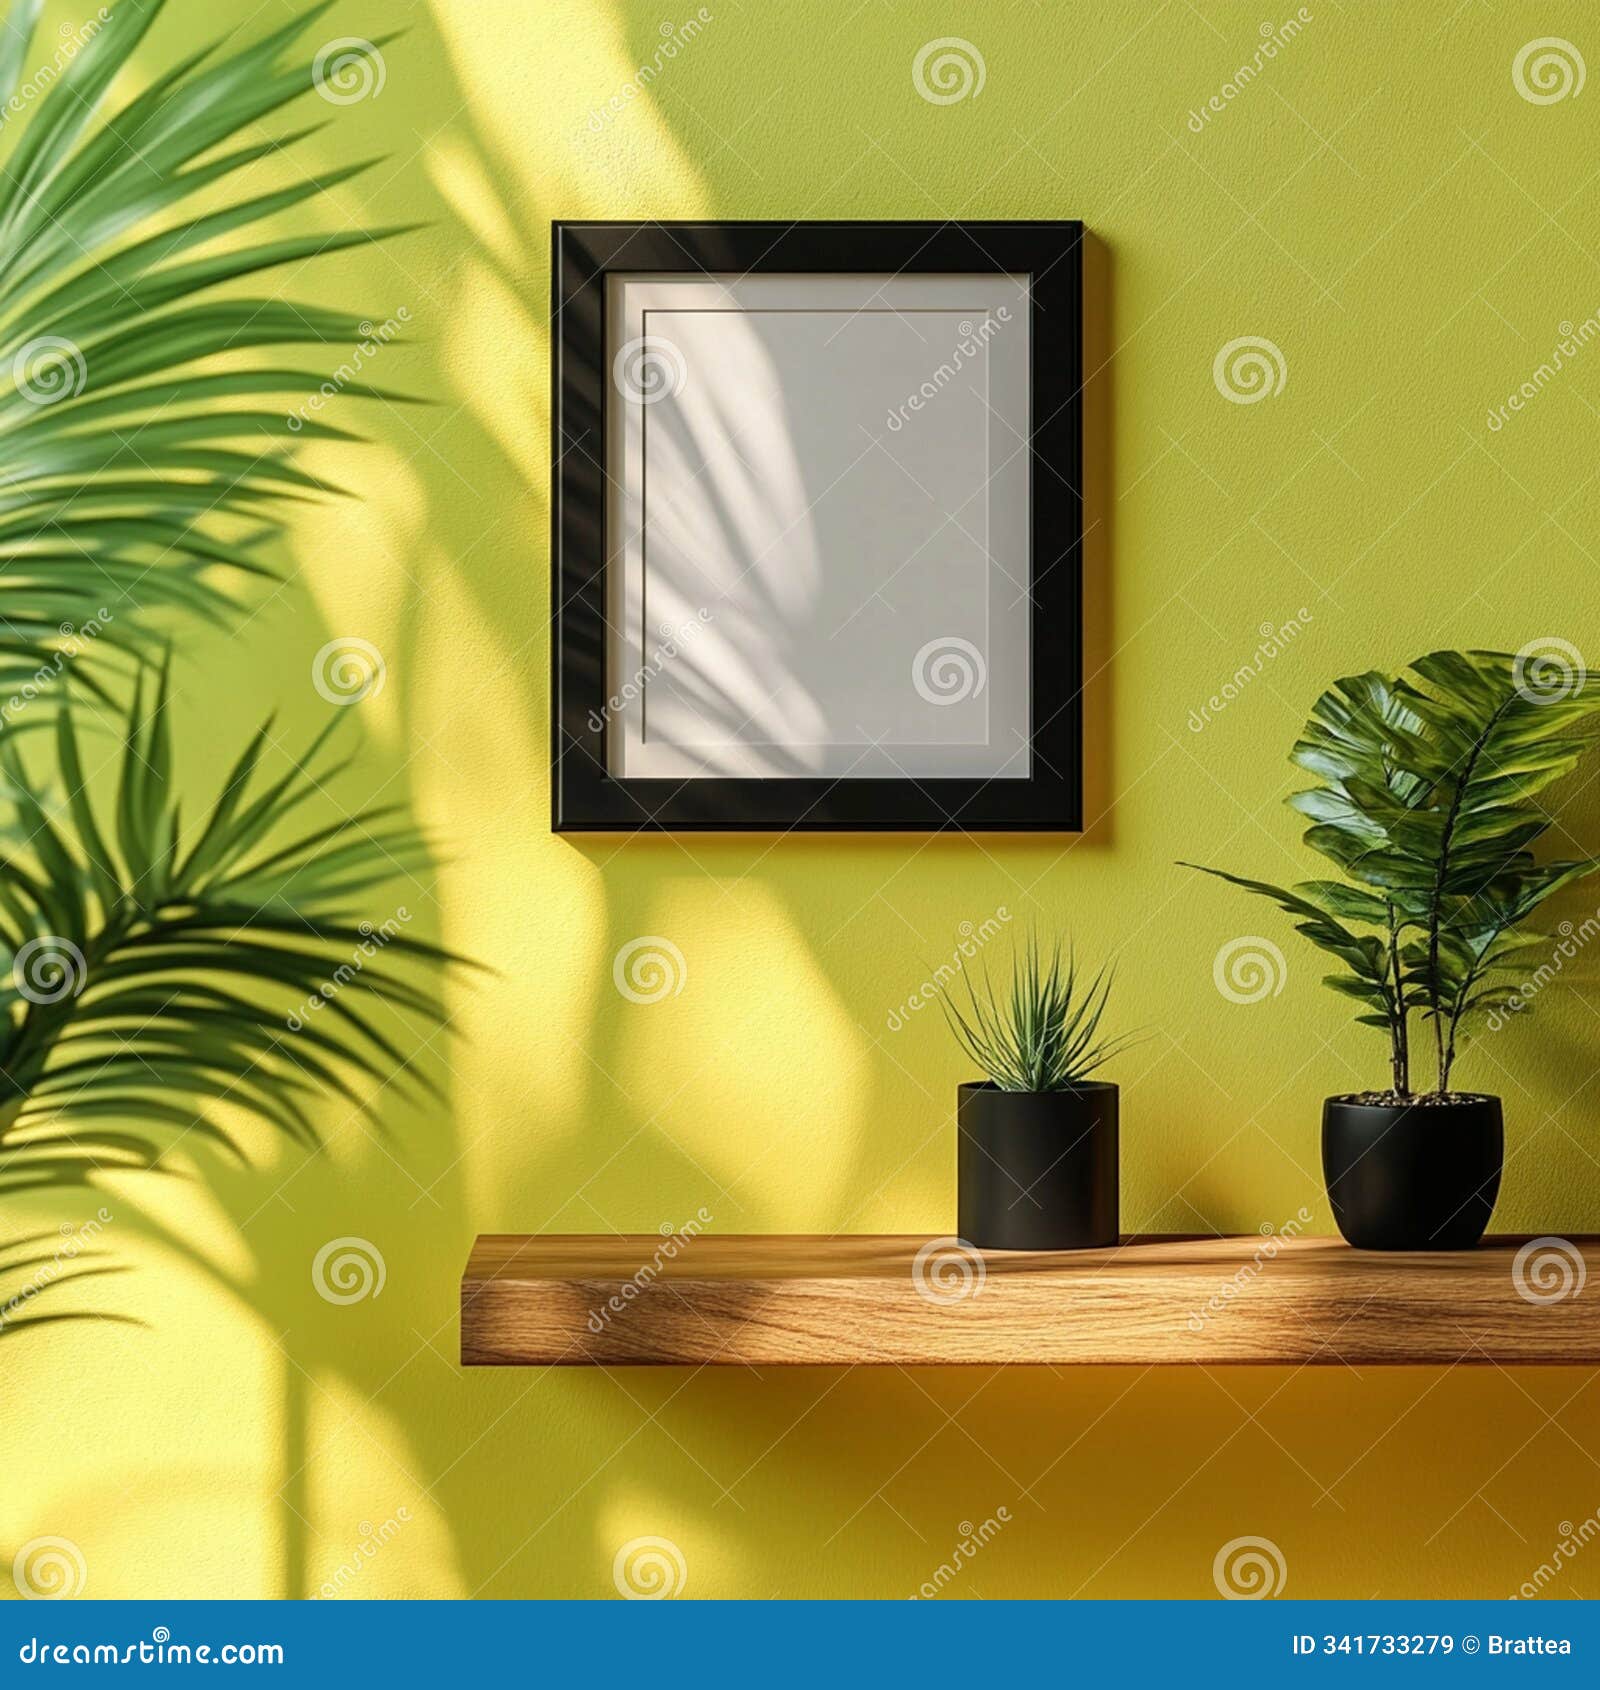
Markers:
<point>1037,1161</point>
<point>1426,801</point>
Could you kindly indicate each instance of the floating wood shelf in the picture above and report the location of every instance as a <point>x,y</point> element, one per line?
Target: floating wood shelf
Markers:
<point>563,1300</point>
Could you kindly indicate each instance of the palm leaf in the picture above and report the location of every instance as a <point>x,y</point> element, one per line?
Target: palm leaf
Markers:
<point>148,977</point>
<point>137,479</point>
<point>151,411</point>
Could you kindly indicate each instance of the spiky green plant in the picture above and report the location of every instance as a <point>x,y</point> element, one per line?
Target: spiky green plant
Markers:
<point>152,970</point>
<point>1427,801</point>
<point>1042,1031</point>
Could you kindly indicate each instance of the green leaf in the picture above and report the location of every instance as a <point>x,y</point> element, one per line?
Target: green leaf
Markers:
<point>1043,1033</point>
<point>15,39</point>
<point>142,435</point>
<point>190,993</point>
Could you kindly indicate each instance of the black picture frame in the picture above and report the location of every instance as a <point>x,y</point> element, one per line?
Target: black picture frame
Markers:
<point>586,797</point>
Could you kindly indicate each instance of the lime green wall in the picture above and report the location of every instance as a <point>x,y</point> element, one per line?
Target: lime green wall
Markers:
<point>1410,232</point>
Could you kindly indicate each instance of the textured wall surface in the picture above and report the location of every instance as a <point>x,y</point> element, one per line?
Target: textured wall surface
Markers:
<point>1414,236</point>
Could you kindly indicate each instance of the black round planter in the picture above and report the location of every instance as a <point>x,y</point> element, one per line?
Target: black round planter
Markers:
<point>1417,1176</point>
<point>1037,1170</point>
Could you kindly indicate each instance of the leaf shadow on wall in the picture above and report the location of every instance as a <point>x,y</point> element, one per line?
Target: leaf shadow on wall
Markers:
<point>259,1377</point>
<point>602,1121</point>
<point>737,1468</point>
<point>529,1481</point>
<point>753,1474</point>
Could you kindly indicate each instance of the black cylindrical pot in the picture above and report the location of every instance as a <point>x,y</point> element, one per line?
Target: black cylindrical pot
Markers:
<point>1037,1170</point>
<point>1415,1176</point>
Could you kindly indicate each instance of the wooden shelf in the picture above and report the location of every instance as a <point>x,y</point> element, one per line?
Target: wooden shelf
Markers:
<point>566,1300</point>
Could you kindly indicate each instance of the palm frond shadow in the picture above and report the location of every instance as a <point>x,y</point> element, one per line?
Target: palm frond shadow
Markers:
<point>43,1274</point>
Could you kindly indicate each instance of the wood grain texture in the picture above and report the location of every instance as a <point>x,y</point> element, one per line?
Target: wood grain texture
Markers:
<point>797,1299</point>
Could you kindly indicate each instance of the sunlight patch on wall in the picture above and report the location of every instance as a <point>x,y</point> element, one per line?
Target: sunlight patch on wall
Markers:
<point>495,353</point>
<point>205,1235</point>
<point>645,1550</point>
<point>461,179</point>
<point>352,559</point>
<point>378,1533</point>
<point>574,154</point>
<point>509,890</point>
<point>727,1016</point>
<point>172,1428</point>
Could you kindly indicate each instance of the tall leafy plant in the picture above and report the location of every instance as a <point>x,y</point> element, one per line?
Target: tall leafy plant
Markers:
<point>1427,802</point>
<point>153,966</point>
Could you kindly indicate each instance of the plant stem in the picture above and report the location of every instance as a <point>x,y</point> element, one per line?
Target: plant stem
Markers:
<point>1399,1037</point>
<point>1435,902</point>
